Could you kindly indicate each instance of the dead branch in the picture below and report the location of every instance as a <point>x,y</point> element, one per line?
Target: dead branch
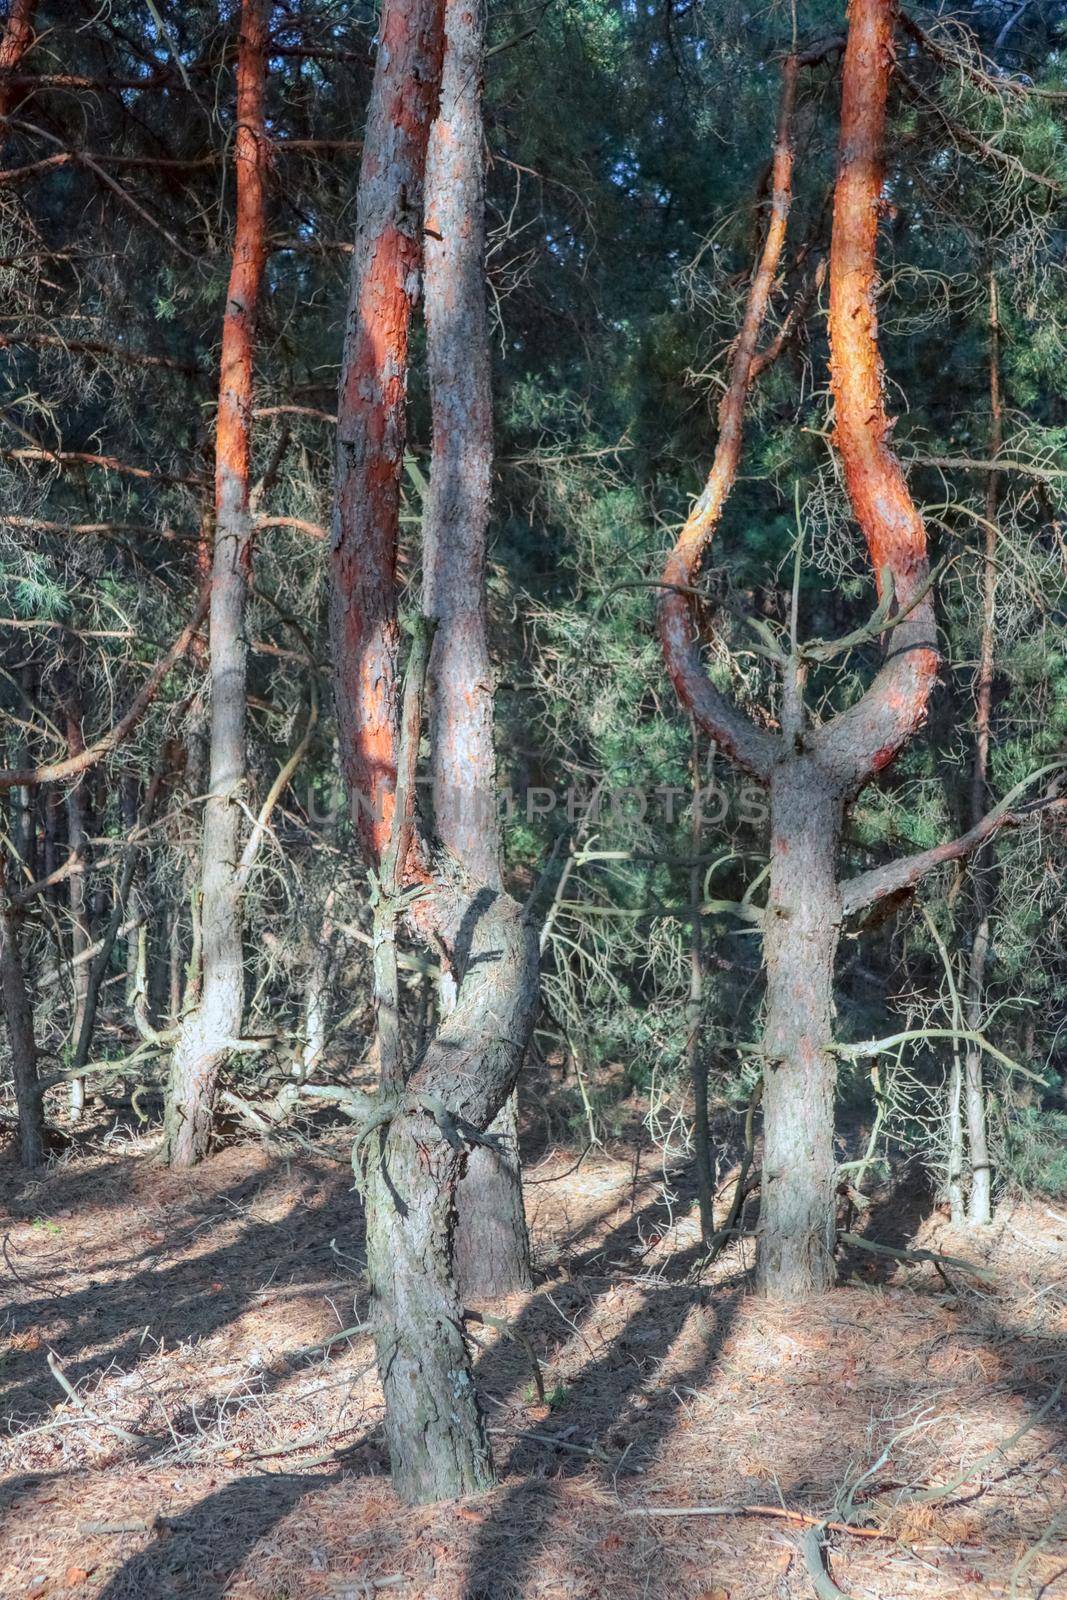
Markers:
<point>869,887</point>
<point>63,458</point>
<point>811,1548</point>
<point>59,771</point>
<point>757,1511</point>
<point>96,347</point>
<point>932,1256</point>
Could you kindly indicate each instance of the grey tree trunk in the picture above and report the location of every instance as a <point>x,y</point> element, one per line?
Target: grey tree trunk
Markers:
<point>437,1440</point>
<point>491,1253</point>
<point>317,998</point>
<point>18,1013</point>
<point>979,1198</point>
<point>204,1042</point>
<point>801,932</point>
<point>81,930</point>
<point>492,1249</point>
<point>954,1118</point>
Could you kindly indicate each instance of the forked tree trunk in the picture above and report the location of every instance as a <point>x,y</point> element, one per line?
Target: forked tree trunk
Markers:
<point>802,928</point>
<point>814,772</point>
<point>492,1249</point>
<point>208,1031</point>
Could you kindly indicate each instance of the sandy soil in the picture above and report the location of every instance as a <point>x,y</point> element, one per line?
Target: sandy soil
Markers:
<point>207,1450</point>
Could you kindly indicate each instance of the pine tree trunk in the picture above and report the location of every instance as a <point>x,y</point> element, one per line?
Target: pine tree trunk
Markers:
<point>437,1441</point>
<point>18,1014</point>
<point>803,924</point>
<point>492,1252</point>
<point>954,1120</point>
<point>207,1031</point>
<point>81,930</point>
<point>979,1198</point>
<point>17,38</point>
<point>492,1246</point>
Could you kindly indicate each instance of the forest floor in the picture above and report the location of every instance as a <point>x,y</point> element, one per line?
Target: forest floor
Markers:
<point>203,1451</point>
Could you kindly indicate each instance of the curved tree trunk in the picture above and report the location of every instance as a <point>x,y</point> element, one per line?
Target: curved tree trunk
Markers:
<point>207,1031</point>
<point>815,772</point>
<point>492,1249</point>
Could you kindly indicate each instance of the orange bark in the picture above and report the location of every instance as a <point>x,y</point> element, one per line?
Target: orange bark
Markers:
<point>750,748</point>
<point>869,736</point>
<point>371,429</point>
<point>17,38</point>
<point>233,448</point>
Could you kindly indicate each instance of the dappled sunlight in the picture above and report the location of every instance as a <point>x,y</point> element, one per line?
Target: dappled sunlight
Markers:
<point>257,1468</point>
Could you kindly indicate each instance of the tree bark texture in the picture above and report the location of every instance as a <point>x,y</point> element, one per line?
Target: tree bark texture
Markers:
<point>428,1110</point>
<point>206,1032</point>
<point>492,1251</point>
<point>814,772</point>
<point>979,1198</point>
<point>18,36</point>
<point>801,932</point>
<point>371,422</point>
<point>18,1014</point>
<point>436,1435</point>
<point>78,832</point>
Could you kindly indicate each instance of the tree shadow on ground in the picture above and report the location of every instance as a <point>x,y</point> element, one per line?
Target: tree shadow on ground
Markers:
<point>154,1286</point>
<point>200,1552</point>
<point>617,1411</point>
<point>612,1401</point>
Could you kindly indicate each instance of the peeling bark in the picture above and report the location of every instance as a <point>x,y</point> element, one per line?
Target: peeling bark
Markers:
<point>813,773</point>
<point>752,749</point>
<point>431,1108</point>
<point>863,740</point>
<point>17,38</point>
<point>371,419</point>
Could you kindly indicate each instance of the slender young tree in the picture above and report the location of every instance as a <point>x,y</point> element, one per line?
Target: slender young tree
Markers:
<point>814,772</point>
<point>979,1196</point>
<point>79,830</point>
<point>22,1042</point>
<point>492,1251</point>
<point>411,1150</point>
<point>208,1030</point>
